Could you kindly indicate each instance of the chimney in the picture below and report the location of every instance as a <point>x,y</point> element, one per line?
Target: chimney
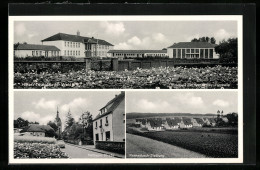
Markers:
<point>78,33</point>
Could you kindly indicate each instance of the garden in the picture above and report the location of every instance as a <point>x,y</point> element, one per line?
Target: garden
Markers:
<point>38,147</point>
<point>156,78</point>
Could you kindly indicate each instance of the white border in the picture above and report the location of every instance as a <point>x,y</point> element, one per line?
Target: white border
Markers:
<point>237,18</point>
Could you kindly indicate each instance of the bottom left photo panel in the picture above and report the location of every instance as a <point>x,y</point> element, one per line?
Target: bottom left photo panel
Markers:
<point>68,124</point>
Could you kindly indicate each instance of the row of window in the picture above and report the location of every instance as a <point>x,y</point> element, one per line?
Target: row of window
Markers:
<point>192,53</point>
<point>101,122</point>
<point>71,53</point>
<point>41,53</point>
<point>98,46</point>
<point>101,53</point>
<point>107,136</point>
<point>151,54</point>
<point>72,44</point>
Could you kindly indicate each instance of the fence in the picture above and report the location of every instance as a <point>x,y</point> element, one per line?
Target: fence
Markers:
<point>118,147</point>
<point>114,64</point>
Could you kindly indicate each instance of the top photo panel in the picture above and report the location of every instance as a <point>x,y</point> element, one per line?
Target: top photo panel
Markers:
<point>123,53</point>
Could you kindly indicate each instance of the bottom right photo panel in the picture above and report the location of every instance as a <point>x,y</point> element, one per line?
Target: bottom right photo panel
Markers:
<point>182,124</point>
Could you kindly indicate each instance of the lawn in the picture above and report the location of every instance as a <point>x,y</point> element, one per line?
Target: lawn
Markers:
<point>211,144</point>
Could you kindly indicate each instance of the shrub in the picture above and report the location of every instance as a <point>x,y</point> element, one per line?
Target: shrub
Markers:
<point>61,143</point>
<point>33,139</point>
<point>37,150</point>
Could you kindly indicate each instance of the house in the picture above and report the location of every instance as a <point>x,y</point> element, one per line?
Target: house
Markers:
<point>190,50</point>
<point>36,130</point>
<point>78,46</point>
<point>212,121</point>
<point>154,124</point>
<point>35,50</point>
<point>137,53</point>
<point>197,122</point>
<point>186,123</point>
<point>109,124</point>
<point>172,124</point>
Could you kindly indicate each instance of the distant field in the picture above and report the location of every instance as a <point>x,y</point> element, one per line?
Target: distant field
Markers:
<point>222,143</point>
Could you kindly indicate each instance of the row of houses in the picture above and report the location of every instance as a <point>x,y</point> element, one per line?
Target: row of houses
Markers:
<point>159,124</point>
<point>62,44</point>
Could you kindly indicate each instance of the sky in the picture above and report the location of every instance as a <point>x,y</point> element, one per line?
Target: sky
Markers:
<point>182,102</point>
<point>42,106</point>
<point>127,34</point>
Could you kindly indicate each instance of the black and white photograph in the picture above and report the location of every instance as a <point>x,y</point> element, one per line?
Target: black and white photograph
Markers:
<point>182,125</point>
<point>125,54</point>
<point>69,125</point>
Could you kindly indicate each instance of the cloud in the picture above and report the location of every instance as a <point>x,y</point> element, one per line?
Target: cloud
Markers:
<point>32,117</point>
<point>20,29</point>
<point>189,38</point>
<point>152,106</point>
<point>113,28</point>
<point>150,42</point>
<point>222,34</point>
<point>221,103</point>
<point>32,35</point>
<point>46,104</point>
<point>76,106</point>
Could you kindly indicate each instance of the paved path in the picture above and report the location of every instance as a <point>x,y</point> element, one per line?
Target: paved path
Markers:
<point>141,147</point>
<point>75,151</point>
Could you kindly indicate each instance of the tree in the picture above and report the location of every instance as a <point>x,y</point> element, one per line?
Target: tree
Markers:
<point>232,119</point>
<point>20,122</point>
<point>87,123</point>
<point>51,133</point>
<point>227,49</point>
<point>212,40</point>
<point>53,125</point>
<point>69,120</point>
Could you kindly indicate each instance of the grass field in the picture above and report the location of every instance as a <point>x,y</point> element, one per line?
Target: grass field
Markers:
<point>217,144</point>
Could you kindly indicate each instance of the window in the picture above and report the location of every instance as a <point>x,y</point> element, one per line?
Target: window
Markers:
<point>100,122</point>
<point>36,53</point>
<point>201,53</point>
<point>210,53</point>
<point>64,52</point>
<point>106,119</point>
<point>96,123</point>
<point>188,50</point>
<point>206,53</point>
<point>197,50</point>
<point>70,52</point>
<point>76,52</point>
<point>108,136</point>
<point>192,50</point>
<point>79,52</point>
<point>183,53</point>
<point>40,53</point>
<point>79,45</point>
<point>174,53</point>
<point>97,137</point>
<point>73,52</point>
<point>179,53</point>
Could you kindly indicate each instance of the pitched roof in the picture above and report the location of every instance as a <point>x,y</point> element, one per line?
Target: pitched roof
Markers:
<point>187,121</point>
<point>193,45</point>
<point>36,47</point>
<point>76,38</point>
<point>37,128</point>
<point>115,102</point>
<point>137,51</point>
<point>199,120</point>
<point>155,122</point>
<point>172,122</point>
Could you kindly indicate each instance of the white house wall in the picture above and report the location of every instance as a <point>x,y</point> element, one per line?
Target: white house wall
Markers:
<point>119,122</point>
<point>105,128</point>
<point>170,52</point>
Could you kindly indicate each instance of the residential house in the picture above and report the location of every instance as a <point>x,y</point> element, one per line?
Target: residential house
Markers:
<point>186,123</point>
<point>35,50</point>
<point>154,124</point>
<point>190,50</point>
<point>109,124</point>
<point>197,122</point>
<point>79,46</point>
<point>36,130</point>
<point>172,124</point>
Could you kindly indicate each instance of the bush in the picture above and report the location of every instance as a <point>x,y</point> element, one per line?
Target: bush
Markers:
<point>37,150</point>
<point>61,143</point>
<point>33,139</point>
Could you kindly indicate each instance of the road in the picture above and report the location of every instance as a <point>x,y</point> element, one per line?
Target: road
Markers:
<point>77,152</point>
<point>141,147</point>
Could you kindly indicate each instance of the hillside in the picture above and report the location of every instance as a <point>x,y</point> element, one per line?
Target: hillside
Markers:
<point>135,115</point>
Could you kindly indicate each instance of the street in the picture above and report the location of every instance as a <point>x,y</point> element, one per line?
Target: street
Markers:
<point>141,147</point>
<point>77,152</point>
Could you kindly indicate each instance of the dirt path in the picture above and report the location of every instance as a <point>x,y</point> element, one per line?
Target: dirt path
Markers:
<point>141,147</point>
